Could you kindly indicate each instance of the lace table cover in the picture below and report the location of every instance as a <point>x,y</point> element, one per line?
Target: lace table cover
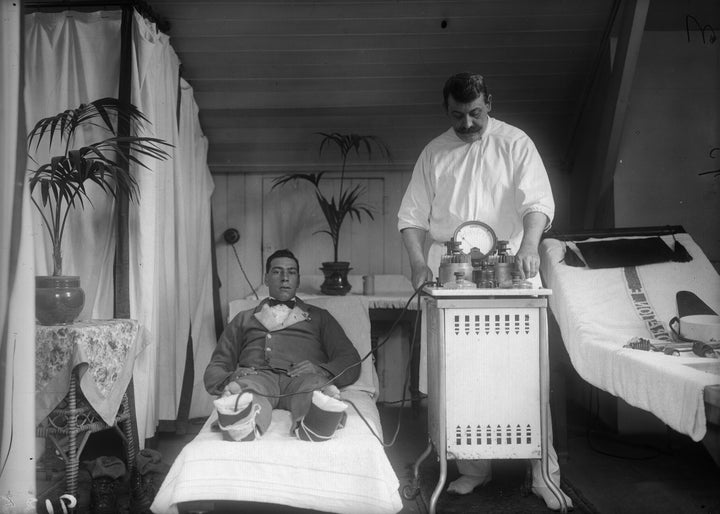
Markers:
<point>103,353</point>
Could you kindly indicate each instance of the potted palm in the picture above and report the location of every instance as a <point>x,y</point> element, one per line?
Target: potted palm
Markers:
<point>347,203</point>
<point>62,184</point>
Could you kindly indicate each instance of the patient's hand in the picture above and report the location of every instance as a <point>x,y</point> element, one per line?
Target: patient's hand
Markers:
<point>242,371</point>
<point>305,367</point>
<point>231,389</point>
<point>332,391</point>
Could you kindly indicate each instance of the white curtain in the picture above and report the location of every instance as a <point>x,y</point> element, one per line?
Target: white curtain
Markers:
<point>195,190</point>
<point>74,57</point>
<point>154,295</point>
<point>170,267</point>
<point>17,285</point>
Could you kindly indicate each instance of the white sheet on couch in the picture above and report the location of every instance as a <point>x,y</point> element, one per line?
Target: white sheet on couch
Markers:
<point>347,474</point>
<point>596,318</point>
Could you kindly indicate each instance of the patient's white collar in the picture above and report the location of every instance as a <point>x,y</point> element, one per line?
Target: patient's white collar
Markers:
<point>281,312</point>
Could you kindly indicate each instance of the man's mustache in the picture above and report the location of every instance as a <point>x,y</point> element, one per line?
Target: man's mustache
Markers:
<point>469,130</point>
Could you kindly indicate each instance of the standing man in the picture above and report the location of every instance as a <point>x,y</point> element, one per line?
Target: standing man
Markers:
<point>480,169</point>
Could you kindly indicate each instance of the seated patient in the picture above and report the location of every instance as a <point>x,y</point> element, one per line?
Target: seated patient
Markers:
<point>282,354</point>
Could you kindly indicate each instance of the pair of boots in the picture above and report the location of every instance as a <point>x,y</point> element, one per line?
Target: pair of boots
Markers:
<point>105,473</point>
<point>145,480</point>
<point>236,417</point>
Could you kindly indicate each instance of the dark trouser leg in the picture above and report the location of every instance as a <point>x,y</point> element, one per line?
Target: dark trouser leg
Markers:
<point>265,387</point>
<point>299,404</point>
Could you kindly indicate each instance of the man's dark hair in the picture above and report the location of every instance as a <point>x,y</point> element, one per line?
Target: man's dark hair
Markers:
<point>465,88</point>
<point>281,253</point>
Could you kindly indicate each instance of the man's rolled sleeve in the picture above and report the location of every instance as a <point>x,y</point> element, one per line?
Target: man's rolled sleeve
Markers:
<point>415,206</point>
<point>533,192</point>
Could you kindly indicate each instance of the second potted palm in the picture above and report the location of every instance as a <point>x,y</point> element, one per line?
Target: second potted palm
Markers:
<point>348,203</point>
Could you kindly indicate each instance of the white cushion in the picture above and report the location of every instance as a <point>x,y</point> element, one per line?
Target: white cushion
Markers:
<point>353,317</point>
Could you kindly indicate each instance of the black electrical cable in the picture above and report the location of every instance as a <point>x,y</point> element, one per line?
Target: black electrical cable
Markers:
<point>231,237</point>
<point>408,367</point>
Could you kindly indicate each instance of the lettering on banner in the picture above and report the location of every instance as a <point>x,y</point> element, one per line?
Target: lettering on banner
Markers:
<point>642,305</point>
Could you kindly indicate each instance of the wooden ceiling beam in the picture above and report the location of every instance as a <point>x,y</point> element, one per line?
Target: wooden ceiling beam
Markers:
<point>600,205</point>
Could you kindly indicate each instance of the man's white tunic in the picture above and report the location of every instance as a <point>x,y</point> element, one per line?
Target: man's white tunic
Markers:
<point>497,180</point>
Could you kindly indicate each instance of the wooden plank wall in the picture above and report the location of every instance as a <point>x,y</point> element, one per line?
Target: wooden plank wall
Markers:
<point>238,203</point>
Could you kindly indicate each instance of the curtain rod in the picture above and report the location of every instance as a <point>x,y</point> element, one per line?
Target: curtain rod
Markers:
<point>142,7</point>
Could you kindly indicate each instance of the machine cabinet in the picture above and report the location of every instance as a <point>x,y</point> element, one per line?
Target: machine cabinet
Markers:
<point>487,376</point>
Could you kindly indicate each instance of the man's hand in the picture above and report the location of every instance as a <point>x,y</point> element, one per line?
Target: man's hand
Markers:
<point>527,261</point>
<point>420,275</point>
<point>305,367</point>
<point>414,239</point>
<point>527,258</point>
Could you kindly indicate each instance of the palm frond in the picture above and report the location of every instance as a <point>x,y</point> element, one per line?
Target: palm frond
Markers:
<point>313,178</point>
<point>63,181</point>
<point>65,123</point>
<point>336,210</point>
<point>347,142</point>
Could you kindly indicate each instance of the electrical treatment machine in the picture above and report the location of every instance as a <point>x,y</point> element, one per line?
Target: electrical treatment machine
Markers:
<point>487,370</point>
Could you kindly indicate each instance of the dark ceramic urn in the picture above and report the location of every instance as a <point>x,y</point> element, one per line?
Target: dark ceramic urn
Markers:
<point>58,299</point>
<point>336,278</point>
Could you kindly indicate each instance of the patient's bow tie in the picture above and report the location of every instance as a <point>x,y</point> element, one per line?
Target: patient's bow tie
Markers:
<point>272,302</point>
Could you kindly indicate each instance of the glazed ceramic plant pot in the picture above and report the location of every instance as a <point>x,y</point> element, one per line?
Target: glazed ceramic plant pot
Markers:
<point>58,299</point>
<point>336,281</point>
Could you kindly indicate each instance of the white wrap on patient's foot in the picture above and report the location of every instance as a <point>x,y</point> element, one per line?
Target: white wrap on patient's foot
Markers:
<point>236,416</point>
<point>325,416</point>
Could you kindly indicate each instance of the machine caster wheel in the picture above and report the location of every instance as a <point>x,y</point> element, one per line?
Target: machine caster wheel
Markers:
<point>409,492</point>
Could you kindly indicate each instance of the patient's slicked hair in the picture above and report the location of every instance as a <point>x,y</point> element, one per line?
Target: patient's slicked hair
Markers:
<point>281,253</point>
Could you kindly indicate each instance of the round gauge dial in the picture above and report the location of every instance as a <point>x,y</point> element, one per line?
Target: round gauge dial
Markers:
<point>476,237</point>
